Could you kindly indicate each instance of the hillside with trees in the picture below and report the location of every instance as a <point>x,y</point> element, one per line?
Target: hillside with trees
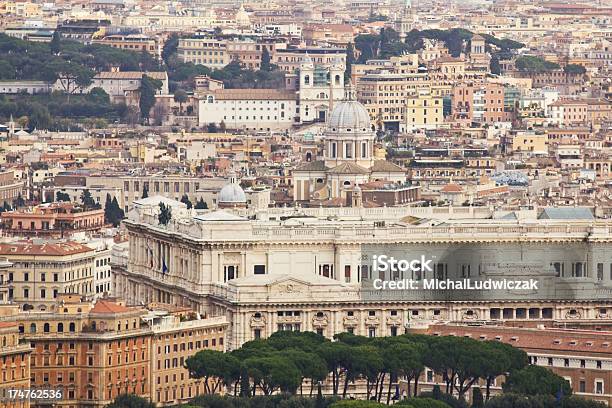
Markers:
<point>181,74</point>
<point>387,43</point>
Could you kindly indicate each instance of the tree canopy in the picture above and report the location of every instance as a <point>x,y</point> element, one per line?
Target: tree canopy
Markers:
<point>113,214</point>
<point>148,89</point>
<point>387,43</point>
<point>531,63</point>
<point>130,401</point>
<point>574,69</point>
<point>88,201</point>
<point>536,380</point>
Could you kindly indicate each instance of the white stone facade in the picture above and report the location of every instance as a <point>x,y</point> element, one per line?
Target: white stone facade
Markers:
<point>306,272</point>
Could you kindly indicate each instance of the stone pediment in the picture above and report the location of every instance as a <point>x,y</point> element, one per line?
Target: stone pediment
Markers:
<point>288,286</point>
<point>273,287</point>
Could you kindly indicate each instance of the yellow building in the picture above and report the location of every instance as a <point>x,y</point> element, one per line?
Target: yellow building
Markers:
<point>205,51</point>
<point>132,42</point>
<point>22,9</point>
<point>530,144</point>
<point>423,110</point>
<point>143,152</point>
<point>387,89</point>
<point>178,335</point>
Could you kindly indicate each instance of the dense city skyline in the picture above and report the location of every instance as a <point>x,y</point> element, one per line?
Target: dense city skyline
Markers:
<point>318,204</point>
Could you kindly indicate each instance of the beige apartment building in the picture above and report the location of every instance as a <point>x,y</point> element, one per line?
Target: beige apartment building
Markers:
<point>566,112</point>
<point>204,51</point>
<point>176,337</point>
<point>290,59</point>
<point>10,188</point>
<point>424,111</point>
<point>530,144</point>
<point>128,189</point>
<point>217,53</point>
<point>390,99</point>
<point>40,273</point>
<point>131,42</point>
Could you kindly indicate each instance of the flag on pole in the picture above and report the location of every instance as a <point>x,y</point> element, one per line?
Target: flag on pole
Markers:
<point>164,267</point>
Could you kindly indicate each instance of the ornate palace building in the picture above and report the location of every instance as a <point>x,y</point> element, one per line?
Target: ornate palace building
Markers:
<point>311,269</point>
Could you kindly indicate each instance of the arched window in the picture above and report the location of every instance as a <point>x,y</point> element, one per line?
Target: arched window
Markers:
<point>46,328</point>
<point>337,79</point>
<point>60,327</point>
<point>307,80</point>
<point>210,99</point>
<point>72,328</point>
<point>33,328</point>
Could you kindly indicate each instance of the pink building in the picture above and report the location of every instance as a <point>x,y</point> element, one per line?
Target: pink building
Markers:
<point>55,219</point>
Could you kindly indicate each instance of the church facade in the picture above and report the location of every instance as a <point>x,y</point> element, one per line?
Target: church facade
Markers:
<point>320,87</point>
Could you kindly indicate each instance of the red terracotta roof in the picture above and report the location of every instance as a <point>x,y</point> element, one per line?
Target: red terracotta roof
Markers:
<point>548,339</point>
<point>55,249</point>
<point>452,188</point>
<point>105,306</point>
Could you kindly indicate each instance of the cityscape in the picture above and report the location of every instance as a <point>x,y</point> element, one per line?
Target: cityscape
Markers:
<point>305,204</point>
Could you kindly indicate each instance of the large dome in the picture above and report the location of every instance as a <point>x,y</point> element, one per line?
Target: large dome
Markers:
<point>231,194</point>
<point>349,115</point>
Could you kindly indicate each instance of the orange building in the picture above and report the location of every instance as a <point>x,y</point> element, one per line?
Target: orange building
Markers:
<point>14,365</point>
<point>463,102</point>
<point>92,352</point>
<point>52,219</point>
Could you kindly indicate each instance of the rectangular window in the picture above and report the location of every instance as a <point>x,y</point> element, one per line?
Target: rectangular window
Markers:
<point>259,269</point>
<point>600,271</point>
